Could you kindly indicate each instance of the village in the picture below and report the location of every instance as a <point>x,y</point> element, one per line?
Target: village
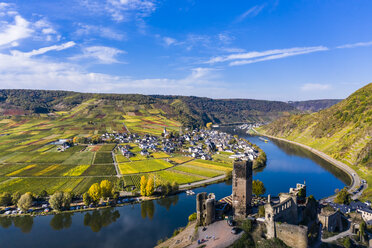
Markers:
<point>197,144</point>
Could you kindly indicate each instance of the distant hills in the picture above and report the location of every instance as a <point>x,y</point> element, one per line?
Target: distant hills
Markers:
<point>343,131</point>
<point>190,111</point>
<point>314,105</point>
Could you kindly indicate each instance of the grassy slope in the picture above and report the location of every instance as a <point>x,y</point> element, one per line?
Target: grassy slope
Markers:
<point>343,131</point>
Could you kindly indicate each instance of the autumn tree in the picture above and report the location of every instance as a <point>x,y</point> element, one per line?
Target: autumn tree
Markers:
<point>143,185</point>
<point>258,188</point>
<point>150,187</point>
<point>95,192</point>
<point>106,189</point>
<point>25,202</point>
<point>86,199</point>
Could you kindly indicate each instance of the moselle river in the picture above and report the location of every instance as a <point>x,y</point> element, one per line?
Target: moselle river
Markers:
<point>142,225</point>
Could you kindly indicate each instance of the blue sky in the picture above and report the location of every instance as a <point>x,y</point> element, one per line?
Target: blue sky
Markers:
<point>275,50</point>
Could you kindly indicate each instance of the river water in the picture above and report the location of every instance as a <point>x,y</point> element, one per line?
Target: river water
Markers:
<point>142,225</point>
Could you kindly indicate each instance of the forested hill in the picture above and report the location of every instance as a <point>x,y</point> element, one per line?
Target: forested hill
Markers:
<point>314,105</point>
<point>343,131</point>
<point>190,111</point>
<point>230,110</point>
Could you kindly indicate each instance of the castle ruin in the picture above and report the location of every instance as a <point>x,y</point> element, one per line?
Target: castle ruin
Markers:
<point>242,189</point>
<point>282,218</point>
<point>205,208</point>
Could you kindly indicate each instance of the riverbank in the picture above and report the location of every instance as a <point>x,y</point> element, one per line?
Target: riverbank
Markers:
<point>131,200</point>
<point>355,179</point>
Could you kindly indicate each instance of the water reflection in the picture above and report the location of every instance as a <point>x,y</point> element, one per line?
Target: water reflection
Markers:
<point>147,209</point>
<point>101,218</point>
<point>24,223</point>
<point>5,222</point>
<point>293,150</point>
<point>61,221</point>
<point>168,202</point>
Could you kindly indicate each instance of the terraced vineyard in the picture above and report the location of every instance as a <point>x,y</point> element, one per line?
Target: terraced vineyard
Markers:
<point>30,158</point>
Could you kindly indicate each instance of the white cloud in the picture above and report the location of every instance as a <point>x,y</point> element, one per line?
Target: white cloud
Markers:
<point>200,73</point>
<point>252,12</point>
<point>39,73</point>
<point>122,10</point>
<point>169,41</point>
<point>104,32</point>
<point>315,87</point>
<point>359,44</point>
<point>44,50</point>
<point>14,28</point>
<point>12,32</point>
<point>254,57</point>
<point>103,54</point>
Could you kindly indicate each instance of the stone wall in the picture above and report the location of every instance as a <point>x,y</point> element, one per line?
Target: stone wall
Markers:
<point>205,208</point>
<point>292,235</point>
<point>331,221</point>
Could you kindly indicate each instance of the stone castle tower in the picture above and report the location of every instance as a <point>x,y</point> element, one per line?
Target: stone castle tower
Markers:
<point>242,189</point>
<point>205,208</point>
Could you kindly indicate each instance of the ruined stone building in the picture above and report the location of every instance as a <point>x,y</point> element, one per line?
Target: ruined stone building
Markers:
<point>242,189</point>
<point>205,208</point>
<point>330,219</point>
<point>282,218</point>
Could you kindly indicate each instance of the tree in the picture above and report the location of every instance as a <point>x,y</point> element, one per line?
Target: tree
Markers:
<point>342,197</point>
<point>5,199</point>
<point>95,192</point>
<point>247,225</point>
<point>150,187</point>
<point>25,202</point>
<point>43,193</point>
<point>66,199</point>
<point>96,139</point>
<point>166,188</point>
<point>106,189</point>
<point>258,188</point>
<point>15,197</point>
<point>56,201</point>
<point>347,242</point>
<point>175,186</point>
<point>302,193</point>
<point>143,185</point>
<point>192,217</point>
<point>86,199</point>
<point>261,211</point>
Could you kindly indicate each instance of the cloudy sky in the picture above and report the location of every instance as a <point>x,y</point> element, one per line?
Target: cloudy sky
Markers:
<point>276,49</point>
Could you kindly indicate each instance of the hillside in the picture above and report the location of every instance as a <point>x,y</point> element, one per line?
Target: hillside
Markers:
<point>190,111</point>
<point>314,105</point>
<point>343,131</point>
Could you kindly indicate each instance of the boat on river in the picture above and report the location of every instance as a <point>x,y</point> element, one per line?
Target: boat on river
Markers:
<point>263,139</point>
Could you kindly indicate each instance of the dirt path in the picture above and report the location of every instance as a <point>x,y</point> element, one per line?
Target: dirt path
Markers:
<point>195,184</point>
<point>118,174</point>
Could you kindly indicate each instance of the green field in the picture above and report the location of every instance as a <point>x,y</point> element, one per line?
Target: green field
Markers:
<point>200,171</point>
<point>103,158</point>
<point>180,178</point>
<point>143,166</point>
<point>28,154</point>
